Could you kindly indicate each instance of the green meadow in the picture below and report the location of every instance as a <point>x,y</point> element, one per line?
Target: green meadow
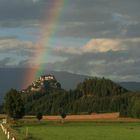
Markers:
<point>2,135</point>
<point>80,131</point>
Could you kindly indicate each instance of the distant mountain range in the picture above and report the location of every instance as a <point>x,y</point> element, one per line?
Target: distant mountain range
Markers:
<point>134,86</point>
<point>13,78</point>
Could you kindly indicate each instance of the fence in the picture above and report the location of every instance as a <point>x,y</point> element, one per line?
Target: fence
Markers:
<point>7,133</point>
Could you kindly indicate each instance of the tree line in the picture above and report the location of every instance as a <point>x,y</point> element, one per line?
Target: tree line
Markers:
<point>96,95</point>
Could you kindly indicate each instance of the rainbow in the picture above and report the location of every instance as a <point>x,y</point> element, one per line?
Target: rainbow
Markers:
<point>49,30</point>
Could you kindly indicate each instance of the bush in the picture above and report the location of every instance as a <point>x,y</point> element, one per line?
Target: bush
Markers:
<point>39,116</point>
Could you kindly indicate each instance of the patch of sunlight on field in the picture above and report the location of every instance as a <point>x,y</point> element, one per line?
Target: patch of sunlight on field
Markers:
<point>85,131</point>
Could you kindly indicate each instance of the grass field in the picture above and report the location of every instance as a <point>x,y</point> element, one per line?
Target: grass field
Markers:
<point>82,131</point>
<point>2,136</point>
<point>83,127</point>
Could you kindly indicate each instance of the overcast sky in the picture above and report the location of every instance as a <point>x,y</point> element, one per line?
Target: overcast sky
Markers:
<point>94,37</point>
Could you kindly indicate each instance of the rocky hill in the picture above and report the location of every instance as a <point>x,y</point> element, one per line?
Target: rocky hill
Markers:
<point>43,84</point>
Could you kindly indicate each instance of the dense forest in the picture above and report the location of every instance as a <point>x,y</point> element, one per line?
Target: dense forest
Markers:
<point>96,95</point>
<point>92,95</point>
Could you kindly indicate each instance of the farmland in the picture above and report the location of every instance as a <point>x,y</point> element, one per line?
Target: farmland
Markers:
<point>107,126</point>
<point>82,131</point>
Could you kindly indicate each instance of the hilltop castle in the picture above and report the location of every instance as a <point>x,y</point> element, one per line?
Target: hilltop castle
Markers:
<point>47,77</point>
<point>42,82</point>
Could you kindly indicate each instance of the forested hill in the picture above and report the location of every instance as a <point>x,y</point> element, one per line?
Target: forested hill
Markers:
<point>100,87</point>
<point>92,95</point>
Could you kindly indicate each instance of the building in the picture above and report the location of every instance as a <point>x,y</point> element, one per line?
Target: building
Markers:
<point>39,84</point>
<point>47,77</point>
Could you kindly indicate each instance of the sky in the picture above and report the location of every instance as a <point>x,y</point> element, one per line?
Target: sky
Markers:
<point>94,37</point>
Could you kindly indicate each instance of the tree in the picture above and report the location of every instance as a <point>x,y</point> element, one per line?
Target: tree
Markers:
<point>136,109</point>
<point>39,116</point>
<point>13,104</point>
<point>58,85</point>
<point>1,109</point>
<point>63,116</point>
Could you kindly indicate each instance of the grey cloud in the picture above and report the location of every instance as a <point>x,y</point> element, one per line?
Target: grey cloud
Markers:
<point>5,61</point>
<point>14,52</point>
<point>22,12</point>
<point>92,30</point>
<point>21,9</point>
<point>13,23</point>
<point>133,30</point>
<point>81,18</point>
<point>7,37</point>
<point>23,63</point>
<point>10,62</point>
<point>117,65</point>
<point>102,18</point>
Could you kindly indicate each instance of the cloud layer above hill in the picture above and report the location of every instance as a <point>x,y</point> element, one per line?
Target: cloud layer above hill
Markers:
<point>94,37</point>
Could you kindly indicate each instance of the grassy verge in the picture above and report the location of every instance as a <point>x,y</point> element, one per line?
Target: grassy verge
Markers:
<point>2,135</point>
